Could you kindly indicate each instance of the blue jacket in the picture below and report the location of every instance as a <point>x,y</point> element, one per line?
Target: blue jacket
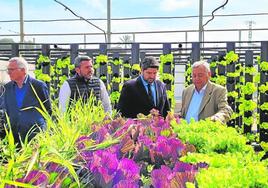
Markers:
<point>23,120</point>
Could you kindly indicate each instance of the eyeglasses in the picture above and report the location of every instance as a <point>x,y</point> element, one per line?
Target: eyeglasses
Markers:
<point>11,69</point>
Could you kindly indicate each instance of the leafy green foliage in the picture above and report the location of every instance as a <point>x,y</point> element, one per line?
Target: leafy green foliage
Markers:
<point>231,57</point>
<point>264,66</point>
<point>249,88</point>
<point>207,136</point>
<point>57,144</point>
<point>230,170</point>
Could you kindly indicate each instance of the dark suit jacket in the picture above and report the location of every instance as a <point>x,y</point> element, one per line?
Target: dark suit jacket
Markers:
<point>23,120</point>
<point>134,99</point>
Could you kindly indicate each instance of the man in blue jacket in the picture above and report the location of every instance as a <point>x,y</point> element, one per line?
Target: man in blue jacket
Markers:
<point>20,100</point>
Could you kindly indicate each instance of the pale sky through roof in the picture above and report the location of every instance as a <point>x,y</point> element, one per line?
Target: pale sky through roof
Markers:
<point>49,9</point>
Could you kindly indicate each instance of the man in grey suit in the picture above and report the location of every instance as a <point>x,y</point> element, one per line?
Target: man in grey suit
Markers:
<point>204,99</point>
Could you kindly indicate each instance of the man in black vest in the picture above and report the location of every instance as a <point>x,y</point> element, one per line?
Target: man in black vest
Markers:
<point>144,93</point>
<point>82,84</point>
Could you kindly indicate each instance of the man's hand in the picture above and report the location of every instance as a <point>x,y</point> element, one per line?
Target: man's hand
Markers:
<point>216,118</point>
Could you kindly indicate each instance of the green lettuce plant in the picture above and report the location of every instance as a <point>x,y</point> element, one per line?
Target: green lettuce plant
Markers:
<point>230,170</point>
<point>247,105</point>
<point>114,97</point>
<point>250,70</point>
<point>233,94</point>
<point>264,106</point>
<point>264,125</point>
<point>233,74</point>
<point>126,65</point>
<point>207,137</point>
<point>136,67</point>
<point>263,88</point>
<point>221,80</point>
<point>167,76</point>
<point>231,57</point>
<point>264,66</point>
<point>44,60</point>
<point>168,58</point>
<point>117,62</point>
<point>116,79</point>
<point>100,59</point>
<point>248,120</point>
<point>224,63</point>
<point>213,64</point>
<point>249,88</point>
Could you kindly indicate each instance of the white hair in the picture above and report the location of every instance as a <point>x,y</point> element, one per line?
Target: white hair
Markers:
<point>21,62</point>
<point>201,63</point>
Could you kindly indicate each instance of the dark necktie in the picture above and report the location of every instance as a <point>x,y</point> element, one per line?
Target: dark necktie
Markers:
<point>150,94</point>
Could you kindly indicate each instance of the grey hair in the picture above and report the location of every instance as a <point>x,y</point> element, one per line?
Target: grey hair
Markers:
<point>201,63</point>
<point>80,58</point>
<point>21,62</point>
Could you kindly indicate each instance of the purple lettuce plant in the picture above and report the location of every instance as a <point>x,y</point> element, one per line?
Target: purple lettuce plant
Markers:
<point>126,183</point>
<point>181,173</point>
<point>100,135</point>
<point>115,125</point>
<point>163,148</point>
<point>143,141</point>
<point>183,167</point>
<point>83,141</point>
<point>108,171</point>
<point>35,177</point>
<point>179,179</point>
<point>160,177</point>
<point>127,171</point>
<point>168,148</point>
<point>123,129</point>
<point>103,167</point>
<point>165,177</point>
<point>54,167</point>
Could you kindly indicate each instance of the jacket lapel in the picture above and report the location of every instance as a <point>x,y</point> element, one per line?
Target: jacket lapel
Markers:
<point>206,97</point>
<point>158,92</point>
<point>188,98</point>
<point>142,91</point>
<point>28,92</point>
<point>13,95</point>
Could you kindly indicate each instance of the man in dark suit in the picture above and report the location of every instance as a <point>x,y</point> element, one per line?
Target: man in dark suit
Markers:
<point>144,93</point>
<point>20,100</point>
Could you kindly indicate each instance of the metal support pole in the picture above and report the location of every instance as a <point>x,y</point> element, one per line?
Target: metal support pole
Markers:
<point>239,38</point>
<point>21,22</point>
<point>85,41</point>
<point>109,22</point>
<point>200,21</point>
<point>133,37</point>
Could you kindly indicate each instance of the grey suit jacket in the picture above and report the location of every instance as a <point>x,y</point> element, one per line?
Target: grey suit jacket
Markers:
<point>214,103</point>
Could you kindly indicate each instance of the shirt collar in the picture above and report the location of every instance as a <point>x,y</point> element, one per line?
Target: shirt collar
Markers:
<point>145,83</point>
<point>24,81</point>
<point>201,90</point>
